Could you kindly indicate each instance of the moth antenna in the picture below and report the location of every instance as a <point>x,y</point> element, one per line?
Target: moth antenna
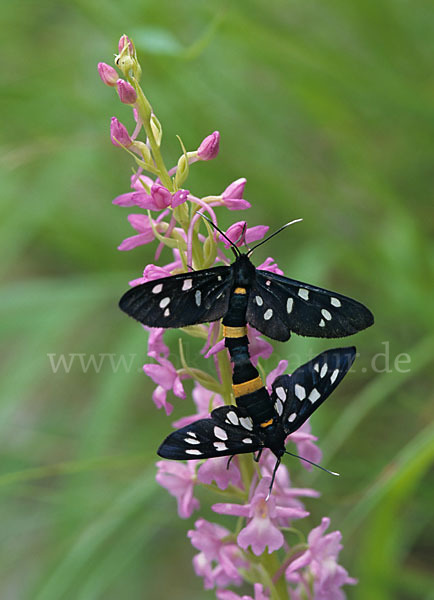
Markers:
<point>233,246</point>
<point>242,237</point>
<point>312,463</point>
<point>273,234</point>
<point>276,466</point>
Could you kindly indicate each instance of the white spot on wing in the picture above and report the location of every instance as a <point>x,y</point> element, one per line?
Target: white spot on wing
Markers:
<point>164,302</point>
<point>300,392</point>
<point>324,370</point>
<point>194,452</point>
<point>166,312</point>
<point>259,300</point>
<point>191,441</point>
<point>268,314</point>
<point>247,441</point>
<point>191,434</point>
<point>220,446</point>
<point>278,406</point>
<point>335,302</point>
<point>232,417</point>
<point>292,417</point>
<point>157,288</point>
<point>247,423</point>
<point>289,305</point>
<point>334,375</point>
<point>303,293</point>
<point>280,391</point>
<point>198,297</point>
<point>220,433</point>
<point>314,395</point>
<point>325,313</point>
<point>316,367</point>
<point>187,284</point>
<point>268,282</point>
<point>322,323</point>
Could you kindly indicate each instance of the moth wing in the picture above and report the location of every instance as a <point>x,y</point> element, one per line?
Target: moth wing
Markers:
<point>297,396</point>
<point>180,300</point>
<point>278,305</point>
<point>215,436</point>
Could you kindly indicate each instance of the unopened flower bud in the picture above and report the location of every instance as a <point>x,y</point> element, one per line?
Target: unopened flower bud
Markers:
<point>127,94</point>
<point>235,189</point>
<point>119,134</point>
<point>143,149</point>
<point>108,75</point>
<point>157,130</point>
<point>209,147</point>
<point>182,170</point>
<point>124,39</point>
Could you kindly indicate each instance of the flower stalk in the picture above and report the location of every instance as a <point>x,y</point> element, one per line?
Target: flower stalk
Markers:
<point>259,549</point>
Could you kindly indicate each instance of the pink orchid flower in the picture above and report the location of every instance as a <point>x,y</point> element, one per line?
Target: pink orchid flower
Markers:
<point>179,480</point>
<point>261,530</point>
<point>321,560</point>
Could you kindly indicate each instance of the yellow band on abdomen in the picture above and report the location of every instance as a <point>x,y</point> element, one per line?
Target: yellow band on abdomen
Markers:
<point>241,389</point>
<point>234,332</point>
<point>240,290</point>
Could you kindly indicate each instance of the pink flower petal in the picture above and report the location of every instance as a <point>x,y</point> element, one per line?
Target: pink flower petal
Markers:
<point>215,469</point>
<point>134,241</point>
<point>259,534</point>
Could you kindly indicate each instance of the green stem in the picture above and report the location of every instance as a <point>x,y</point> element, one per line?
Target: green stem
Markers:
<point>225,375</point>
<point>270,563</point>
<point>144,110</point>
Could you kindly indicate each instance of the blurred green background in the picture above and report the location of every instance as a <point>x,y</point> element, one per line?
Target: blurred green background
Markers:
<point>327,109</point>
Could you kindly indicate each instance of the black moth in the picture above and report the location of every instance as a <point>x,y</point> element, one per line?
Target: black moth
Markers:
<point>232,430</point>
<point>276,305</point>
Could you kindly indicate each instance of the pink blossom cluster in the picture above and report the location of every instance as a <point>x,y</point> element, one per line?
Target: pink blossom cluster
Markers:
<point>168,214</point>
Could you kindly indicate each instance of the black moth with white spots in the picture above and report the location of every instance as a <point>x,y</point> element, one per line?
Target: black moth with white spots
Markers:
<point>232,430</point>
<point>276,305</point>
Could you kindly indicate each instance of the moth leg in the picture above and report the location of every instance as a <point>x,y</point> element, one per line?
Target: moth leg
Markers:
<point>258,456</point>
<point>229,461</point>
<point>272,479</point>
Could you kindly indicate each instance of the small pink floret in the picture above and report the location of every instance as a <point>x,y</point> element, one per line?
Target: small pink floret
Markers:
<point>119,134</point>
<point>209,148</point>
<point>127,94</point>
<point>108,74</point>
